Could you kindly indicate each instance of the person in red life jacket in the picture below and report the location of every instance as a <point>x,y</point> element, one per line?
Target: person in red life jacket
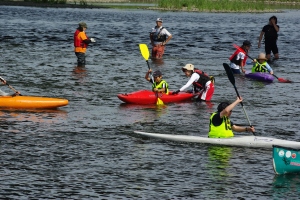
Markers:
<point>270,31</point>
<point>81,42</point>
<point>220,125</point>
<point>159,37</point>
<point>158,84</point>
<point>239,57</point>
<point>202,83</point>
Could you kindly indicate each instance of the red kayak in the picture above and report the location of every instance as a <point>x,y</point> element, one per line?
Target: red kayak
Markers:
<point>150,97</point>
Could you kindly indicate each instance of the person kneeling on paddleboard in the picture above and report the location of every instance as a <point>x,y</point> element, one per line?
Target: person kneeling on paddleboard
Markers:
<point>261,65</point>
<point>158,84</point>
<point>202,83</point>
<point>220,125</point>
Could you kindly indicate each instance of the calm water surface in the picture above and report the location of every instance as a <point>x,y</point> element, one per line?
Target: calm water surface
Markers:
<point>87,150</point>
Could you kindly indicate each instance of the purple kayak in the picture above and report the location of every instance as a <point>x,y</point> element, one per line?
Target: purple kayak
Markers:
<point>260,76</point>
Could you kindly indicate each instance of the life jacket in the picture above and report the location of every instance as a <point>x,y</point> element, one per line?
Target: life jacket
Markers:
<point>77,41</point>
<point>162,84</point>
<point>222,131</point>
<point>233,57</point>
<point>257,67</point>
<point>157,37</point>
<point>202,80</point>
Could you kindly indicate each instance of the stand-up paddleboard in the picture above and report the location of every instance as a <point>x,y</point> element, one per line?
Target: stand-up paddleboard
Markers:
<point>239,141</point>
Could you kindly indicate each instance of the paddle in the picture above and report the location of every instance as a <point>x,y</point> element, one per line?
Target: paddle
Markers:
<point>2,79</point>
<point>282,80</point>
<point>145,53</point>
<point>232,80</point>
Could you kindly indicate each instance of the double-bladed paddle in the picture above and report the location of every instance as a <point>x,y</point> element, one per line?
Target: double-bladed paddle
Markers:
<point>282,80</point>
<point>145,53</point>
<point>232,80</point>
<point>16,92</point>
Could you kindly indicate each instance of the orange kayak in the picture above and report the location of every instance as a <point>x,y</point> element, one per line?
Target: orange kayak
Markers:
<point>31,102</point>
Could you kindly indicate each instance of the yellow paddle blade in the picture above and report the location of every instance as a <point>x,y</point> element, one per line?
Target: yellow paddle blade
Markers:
<point>144,51</point>
<point>159,102</point>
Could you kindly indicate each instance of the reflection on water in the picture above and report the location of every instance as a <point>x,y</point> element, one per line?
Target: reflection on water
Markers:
<point>218,161</point>
<point>285,185</point>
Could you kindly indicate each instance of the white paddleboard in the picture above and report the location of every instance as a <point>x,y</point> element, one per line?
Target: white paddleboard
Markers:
<point>240,141</point>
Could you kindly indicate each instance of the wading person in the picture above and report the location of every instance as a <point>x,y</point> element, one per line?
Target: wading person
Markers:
<point>159,37</point>
<point>158,84</point>
<point>81,42</point>
<point>261,64</point>
<point>201,82</point>
<point>270,33</point>
<point>220,125</point>
<point>239,57</point>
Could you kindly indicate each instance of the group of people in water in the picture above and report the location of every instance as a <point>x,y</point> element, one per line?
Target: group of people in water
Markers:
<point>203,84</point>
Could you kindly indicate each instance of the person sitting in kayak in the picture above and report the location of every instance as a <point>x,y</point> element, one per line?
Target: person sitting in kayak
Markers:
<point>261,65</point>
<point>220,125</point>
<point>158,84</point>
<point>239,57</point>
<point>17,93</point>
<point>202,83</point>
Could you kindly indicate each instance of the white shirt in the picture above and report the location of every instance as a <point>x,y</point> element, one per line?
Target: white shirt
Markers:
<point>241,56</point>
<point>195,77</point>
<point>163,32</point>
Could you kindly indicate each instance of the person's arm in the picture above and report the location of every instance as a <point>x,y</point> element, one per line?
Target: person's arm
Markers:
<point>270,70</point>
<point>147,77</point>
<point>260,38</point>
<point>229,108</point>
<point>168,39</point>
<point>243,129</point>
<point>274,25</point>
<point>193,78</point>
<point>242,56</point>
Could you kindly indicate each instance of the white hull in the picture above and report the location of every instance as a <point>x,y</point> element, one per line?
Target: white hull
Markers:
<point>241,141</point>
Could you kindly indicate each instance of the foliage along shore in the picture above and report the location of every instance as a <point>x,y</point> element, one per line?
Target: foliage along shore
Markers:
<point>215,6</point>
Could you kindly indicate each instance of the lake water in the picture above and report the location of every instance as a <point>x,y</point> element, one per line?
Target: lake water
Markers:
<point>87,150</point>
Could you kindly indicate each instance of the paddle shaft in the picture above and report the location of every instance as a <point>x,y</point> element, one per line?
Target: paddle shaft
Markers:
<point>9,85</point>
<point>232,80</point>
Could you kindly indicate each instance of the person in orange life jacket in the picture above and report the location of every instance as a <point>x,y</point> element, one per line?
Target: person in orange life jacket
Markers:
<point>201,81</point>
<point>261,65</point>
<point>238,58</point>
<point>220,125</point>
<point>159,37</point>
<point>158,84</point>
<point>270,32</point>
<point>81,42</point>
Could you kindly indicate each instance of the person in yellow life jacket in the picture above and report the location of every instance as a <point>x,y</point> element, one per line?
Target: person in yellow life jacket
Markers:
<point>81,42</point>
<point>220,125</point>
<point>261,65</point>
<point>158,84</point>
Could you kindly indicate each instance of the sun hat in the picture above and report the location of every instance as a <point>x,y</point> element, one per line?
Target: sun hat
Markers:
<point>157,73</point>
<point>82,24</point>
<point>261,56</point>
<point>159,20</point>
<point>247,43</point>
<point>188,67</point>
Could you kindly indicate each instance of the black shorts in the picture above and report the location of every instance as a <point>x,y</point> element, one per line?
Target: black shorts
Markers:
<point>271,46</point>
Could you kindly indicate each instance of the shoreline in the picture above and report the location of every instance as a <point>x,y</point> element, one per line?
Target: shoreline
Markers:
<point>99,6</point>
